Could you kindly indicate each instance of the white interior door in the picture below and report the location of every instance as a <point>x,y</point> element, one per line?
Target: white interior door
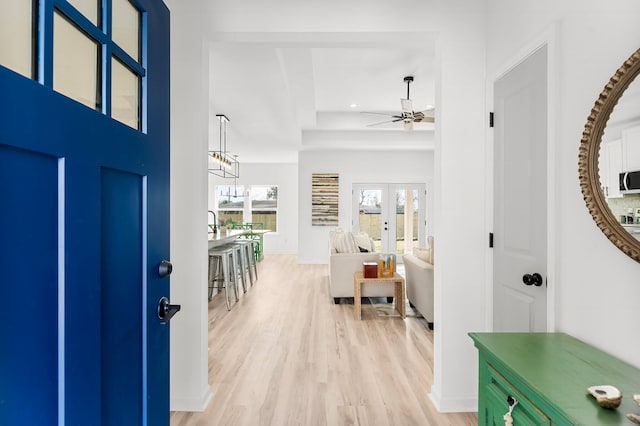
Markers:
<point>520,197</point>
<point>394,216</point>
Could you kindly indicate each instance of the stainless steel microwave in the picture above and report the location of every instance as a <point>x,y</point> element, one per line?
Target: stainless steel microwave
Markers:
<point>630,182</point>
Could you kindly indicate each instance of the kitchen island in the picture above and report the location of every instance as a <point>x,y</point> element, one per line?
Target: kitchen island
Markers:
<point>219,238</point>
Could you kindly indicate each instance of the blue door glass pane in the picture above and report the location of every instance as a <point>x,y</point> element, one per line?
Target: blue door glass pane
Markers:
<point>75,63</point>
<point>126,27</point>
<point>16,36</point>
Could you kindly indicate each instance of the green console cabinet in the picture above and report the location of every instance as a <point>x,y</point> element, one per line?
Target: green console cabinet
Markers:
<point>548,374</point>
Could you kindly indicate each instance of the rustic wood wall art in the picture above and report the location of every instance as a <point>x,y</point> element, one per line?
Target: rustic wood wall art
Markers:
<point>324,199</point>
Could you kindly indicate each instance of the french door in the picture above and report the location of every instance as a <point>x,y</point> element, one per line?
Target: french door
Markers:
<point>84,212</point>
<point>394,215</point>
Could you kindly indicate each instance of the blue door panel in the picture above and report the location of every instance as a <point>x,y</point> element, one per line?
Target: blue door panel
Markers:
<point>29,294</point>
<point>122,289</point>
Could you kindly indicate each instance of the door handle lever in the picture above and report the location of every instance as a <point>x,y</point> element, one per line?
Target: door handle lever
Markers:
<point>166,311</point>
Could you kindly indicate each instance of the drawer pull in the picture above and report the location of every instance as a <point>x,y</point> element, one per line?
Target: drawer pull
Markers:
<point>508,420</point>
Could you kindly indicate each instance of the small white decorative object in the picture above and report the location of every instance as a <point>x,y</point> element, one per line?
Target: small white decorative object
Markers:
<point>607,396</point>
<point>635,418</point>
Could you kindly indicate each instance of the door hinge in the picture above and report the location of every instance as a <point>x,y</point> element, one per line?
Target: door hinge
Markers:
<point>491,119</point>
<point>490,239</point>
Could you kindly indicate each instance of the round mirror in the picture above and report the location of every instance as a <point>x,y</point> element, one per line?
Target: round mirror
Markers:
<point>609,160</point>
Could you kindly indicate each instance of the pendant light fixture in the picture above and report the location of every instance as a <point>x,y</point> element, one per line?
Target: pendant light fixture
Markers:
<point>220,162</point>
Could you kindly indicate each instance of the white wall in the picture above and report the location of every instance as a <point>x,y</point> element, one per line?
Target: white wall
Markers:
<point>596,286</point>
<point>352,167</point>
<point>190,390</point>
<point>460,238</point>
<point>285,176</point>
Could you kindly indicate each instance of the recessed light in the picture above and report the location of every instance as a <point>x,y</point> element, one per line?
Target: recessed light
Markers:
<point>353,105</point>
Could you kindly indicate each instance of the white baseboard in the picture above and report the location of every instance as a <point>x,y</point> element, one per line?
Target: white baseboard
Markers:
<point>191,404</point>
<point>454,405</point>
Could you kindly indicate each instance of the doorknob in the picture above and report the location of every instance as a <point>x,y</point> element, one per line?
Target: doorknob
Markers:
<point>532,279</point>
<point>165,269</point>
<point>166,311</point>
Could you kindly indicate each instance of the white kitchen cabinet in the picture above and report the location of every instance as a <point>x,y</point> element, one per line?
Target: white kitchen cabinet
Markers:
<point>611,165</point>
<point>631,149</point>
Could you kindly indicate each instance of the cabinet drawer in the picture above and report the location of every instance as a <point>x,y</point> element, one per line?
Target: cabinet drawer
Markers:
<point>497,390</point>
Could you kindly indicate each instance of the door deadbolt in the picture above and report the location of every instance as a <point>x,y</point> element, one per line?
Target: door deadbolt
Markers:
<point>165,269</point>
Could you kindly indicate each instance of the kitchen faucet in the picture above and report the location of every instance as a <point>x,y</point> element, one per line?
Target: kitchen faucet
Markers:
<point>214,228</point>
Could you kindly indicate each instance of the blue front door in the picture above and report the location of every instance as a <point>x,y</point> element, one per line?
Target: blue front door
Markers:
<point>84,222</point>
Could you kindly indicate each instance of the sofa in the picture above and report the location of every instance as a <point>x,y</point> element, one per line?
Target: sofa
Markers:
<point>419,282</point>
<point>345,259</point>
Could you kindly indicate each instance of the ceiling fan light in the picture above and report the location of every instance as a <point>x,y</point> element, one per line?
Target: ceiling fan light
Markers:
<point>407,105</point>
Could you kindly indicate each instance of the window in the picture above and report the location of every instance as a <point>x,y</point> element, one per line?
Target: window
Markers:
<point>230,202</point>
<point>264,206</point>
<point>255,204</point>
<point>17,35</point>
<point>63,46</point>
<point>76,63</point>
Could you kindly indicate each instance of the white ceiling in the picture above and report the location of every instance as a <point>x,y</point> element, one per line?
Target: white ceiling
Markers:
<point>283,98</point>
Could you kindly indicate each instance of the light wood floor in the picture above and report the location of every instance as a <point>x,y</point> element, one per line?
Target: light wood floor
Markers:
<point>286,355</point>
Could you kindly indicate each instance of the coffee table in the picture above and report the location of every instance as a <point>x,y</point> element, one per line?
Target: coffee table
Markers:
<point>400,292</point>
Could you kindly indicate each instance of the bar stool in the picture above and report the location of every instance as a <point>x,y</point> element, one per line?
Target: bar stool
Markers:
<point>220,271</point>
<point>254,260</point>
<point>237,260</point>
<point>249,261</point>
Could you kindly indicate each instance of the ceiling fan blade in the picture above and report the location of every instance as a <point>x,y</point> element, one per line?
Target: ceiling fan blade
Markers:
<point>385,122</point>
<point>429,112</point>
<point>425,116</point>
<point>407,106</point>
<point>408,125</point>
<point>423,119</point>
<point>382,113</point>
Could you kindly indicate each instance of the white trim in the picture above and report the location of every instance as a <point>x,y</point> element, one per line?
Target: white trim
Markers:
<point>549,37</point>
<point>192,404</point>
<point>61,291</point>
<point>456,405</point>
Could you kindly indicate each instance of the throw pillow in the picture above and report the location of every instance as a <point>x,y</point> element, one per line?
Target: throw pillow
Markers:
<point>363,241</point>
<point>344,243</point>
<point>423,254</point>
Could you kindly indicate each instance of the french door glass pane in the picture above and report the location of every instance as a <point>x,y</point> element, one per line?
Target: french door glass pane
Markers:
<point>407,209</point>
<point>16,36</point>
<point>89,8</point>
<point>75,63</point>
<point>370,217</point>
<point>125,95</point>
<point>126,27</point>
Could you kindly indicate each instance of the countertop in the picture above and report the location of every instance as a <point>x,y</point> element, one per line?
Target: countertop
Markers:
<point>219,238</point>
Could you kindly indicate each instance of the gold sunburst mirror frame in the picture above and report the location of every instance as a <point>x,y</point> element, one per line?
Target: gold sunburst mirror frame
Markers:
<point>589,153</point>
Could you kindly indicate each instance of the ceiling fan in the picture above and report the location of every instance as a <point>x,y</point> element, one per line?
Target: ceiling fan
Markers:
<point>408,116</point>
